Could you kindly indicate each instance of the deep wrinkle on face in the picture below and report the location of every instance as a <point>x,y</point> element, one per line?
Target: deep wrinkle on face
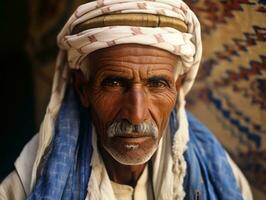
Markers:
<point>134,83</point>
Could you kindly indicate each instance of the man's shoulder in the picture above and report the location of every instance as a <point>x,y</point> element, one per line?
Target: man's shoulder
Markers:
<point>17,184</point>
<point>11,188</point>
<point>209,170</point>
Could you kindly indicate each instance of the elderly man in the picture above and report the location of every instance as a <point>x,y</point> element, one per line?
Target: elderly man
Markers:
<point>116,126</point>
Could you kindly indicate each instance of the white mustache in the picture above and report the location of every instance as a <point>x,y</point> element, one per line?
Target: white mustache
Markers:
<point>124,128</point>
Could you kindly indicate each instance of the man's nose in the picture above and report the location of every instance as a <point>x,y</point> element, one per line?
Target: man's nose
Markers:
<point>135,108</point>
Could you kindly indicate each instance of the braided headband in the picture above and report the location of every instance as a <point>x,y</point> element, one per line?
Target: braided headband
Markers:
<point>132,19</point>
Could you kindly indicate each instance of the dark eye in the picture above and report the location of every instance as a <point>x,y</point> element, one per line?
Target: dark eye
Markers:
<point>157,83</point>
<point>113,82</point>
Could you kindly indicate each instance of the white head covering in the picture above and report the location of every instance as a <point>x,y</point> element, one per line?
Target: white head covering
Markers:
<point>75,47</point>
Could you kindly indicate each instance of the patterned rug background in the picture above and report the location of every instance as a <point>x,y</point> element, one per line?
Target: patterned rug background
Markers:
<point>230,93</point>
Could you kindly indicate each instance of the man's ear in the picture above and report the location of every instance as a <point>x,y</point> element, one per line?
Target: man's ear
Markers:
<point>180,81</point>
<point>81,86</point>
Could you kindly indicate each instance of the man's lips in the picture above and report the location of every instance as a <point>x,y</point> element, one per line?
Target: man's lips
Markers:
<point>132,139</point>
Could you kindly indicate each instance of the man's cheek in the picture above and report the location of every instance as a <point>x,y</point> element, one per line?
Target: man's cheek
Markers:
<point>103,112</point>
<point>161,113</point>
<point>105,100</point>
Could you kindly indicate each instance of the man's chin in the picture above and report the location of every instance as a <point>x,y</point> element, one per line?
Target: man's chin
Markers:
<point>131,154</point>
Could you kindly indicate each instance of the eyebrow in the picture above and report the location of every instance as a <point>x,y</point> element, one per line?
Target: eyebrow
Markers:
<point>125,78</point>
<point>118,77</point>
<point>108,71</point>
<point>159,77</point>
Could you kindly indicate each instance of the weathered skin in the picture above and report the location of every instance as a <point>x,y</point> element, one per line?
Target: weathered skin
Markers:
<point>131,82</point>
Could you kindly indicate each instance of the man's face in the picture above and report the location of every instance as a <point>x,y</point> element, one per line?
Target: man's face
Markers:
<point>132,91</point>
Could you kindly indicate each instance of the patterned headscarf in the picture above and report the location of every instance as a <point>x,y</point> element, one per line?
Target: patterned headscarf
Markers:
<point>186,44</point>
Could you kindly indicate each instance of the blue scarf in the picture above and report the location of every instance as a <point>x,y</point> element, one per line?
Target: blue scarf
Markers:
<point>67,169</point>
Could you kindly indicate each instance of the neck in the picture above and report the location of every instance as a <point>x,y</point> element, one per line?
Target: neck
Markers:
<point>119,173</point>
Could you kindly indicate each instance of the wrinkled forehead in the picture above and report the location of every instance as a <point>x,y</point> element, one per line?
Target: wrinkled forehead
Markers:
<point>133,56</point>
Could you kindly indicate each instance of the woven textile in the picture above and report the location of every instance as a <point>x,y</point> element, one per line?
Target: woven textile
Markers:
<point>229,95</point>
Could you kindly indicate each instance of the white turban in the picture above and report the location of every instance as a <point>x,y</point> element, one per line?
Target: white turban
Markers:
<point>187,45</point>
